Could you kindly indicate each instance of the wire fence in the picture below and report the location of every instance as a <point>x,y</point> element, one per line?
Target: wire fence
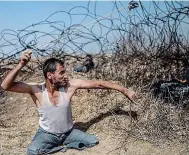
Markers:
<point>132,28</point>
<point>137,40</point>
<point>135,45</point>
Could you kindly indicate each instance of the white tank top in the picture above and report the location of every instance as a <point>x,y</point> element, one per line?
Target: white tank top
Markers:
<point>55,118</point>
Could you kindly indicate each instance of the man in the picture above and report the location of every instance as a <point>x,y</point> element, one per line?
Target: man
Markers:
<point>87,65</point>
<point>52,99</point>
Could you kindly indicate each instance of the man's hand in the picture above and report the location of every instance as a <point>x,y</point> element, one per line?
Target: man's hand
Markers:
<point>25,57</point>
<point>9,83</point>
<point>95,84</point>
<point>131,95</point>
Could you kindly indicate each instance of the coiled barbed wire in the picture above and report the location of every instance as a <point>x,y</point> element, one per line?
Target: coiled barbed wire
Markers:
<point>132,27</point>
<point>151,35</point>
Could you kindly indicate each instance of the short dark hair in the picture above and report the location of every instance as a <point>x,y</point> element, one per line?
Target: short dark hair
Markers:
<point>88,55</point>
<point>50,65</point>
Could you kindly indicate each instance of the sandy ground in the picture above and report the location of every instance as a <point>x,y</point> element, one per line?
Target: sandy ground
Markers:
<point>19,122</point>
<point>93,112</point>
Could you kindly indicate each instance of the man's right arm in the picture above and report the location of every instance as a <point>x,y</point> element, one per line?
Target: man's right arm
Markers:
<point>9,83</point>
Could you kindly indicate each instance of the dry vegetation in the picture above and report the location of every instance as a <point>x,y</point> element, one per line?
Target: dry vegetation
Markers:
<point>151,47</point>
<point>150,127</point>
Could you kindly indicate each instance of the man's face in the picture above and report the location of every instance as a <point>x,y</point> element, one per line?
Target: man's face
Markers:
<point>59,77</point>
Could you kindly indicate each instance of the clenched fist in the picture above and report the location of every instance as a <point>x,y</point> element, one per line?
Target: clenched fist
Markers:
<point>25,57</point>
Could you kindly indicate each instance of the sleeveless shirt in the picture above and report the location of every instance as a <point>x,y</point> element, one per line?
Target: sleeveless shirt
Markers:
<point>55,118</point>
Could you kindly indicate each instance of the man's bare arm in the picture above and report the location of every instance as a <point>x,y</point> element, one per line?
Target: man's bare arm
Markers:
<point>92,84</point>
<point>9,83</point>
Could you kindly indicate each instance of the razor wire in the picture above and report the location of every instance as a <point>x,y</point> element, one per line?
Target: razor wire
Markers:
<point>130,28</point>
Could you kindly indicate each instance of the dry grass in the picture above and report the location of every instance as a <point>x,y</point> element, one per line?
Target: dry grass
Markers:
<point>122,127</point>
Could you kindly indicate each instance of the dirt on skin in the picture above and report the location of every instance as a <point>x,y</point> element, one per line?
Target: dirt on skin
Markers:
<point>93,112</point>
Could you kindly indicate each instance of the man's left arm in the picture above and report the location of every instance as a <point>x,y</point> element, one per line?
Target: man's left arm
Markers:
<point>93,84</point>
